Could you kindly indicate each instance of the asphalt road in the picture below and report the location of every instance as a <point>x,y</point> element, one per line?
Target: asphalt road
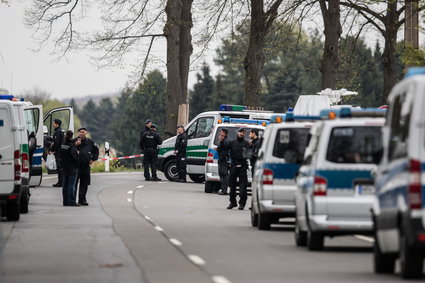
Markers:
<point>137,231</point>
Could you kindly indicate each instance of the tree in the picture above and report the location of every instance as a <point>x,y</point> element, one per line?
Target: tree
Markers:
<point>202,96</point>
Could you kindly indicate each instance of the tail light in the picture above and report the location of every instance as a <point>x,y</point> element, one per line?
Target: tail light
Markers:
<point>17,163</point>
<point>320,186</point>
<point>415,187</point>
<point>25,163</point>
<point>267,177</point>
<point>210,157</point>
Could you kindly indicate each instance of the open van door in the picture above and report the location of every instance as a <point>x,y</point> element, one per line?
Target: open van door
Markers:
<point>34,125</point>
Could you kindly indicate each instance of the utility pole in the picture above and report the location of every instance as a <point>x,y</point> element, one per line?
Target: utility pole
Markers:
<point>411,26</point>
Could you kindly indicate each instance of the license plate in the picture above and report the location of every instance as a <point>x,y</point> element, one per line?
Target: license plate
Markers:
<point>365,189</point>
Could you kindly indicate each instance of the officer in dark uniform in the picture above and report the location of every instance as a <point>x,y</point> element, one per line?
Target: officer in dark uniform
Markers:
<point>58,138</point>
<point>180,152</point>
<point>148,124</point>
<point>149,145</point>
<point>88,152</point>
<point>223,161</point>
<point>254,145</point>
<point>238,169</point>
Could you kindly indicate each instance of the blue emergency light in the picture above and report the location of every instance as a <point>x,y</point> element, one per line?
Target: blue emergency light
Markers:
<point>290,117</point>
<point>414,71</point>
<point>227,119</point>
<point>6,97</point>
<point>346,112</point>
<point>227,107</point>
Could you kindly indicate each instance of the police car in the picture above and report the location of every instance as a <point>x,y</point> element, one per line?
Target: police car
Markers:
<point>279,158</point>
<point>199,133</point>
<point>399,210</point>
<point>212,179</point>
<point>335,187</point>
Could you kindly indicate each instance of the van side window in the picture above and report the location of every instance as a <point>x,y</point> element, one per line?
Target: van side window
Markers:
<point>203,129</point>
<point>192,130</point>
<point>399,128</point>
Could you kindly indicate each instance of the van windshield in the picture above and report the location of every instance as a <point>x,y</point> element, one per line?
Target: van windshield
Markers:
<point>232,133</point>
<point>355,145</point>
<point>290,144</point>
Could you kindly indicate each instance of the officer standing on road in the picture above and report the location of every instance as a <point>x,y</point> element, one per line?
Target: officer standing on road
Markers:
<point>58,138</point>
<point>223,161</point>
<point>149,143</point>
<point>148,124</point>
<point>87,153</point>
<point>254,145</point>
<point>69,157</point>
<point>239,166</point>
<point>180,152</point>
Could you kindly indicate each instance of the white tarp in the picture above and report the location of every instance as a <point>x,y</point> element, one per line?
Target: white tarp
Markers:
<point>311,104</point>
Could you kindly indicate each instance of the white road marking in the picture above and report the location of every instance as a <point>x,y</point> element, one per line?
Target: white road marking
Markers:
<point>175,242</point>
<point>221,279</point>
<point>139,187</point>
<point>162,182</point>
<point>196,259</point>
<point>130,192</point>
<point>364,238</point>
<point>157,228</point>
<point>147,218</point>
<point>129,199</point>
<point>46,178</point>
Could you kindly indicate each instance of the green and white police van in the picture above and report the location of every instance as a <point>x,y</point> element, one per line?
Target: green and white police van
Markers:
<point>199,132</point>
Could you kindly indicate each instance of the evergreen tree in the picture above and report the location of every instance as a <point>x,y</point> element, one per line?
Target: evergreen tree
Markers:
<point>201,98</point>
<point>74,106</point>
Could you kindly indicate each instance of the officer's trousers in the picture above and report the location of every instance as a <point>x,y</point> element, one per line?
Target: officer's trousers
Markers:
<point>150,159</point>
<point>238,171</point>
<point>181,166</point>
<point>83,181</point>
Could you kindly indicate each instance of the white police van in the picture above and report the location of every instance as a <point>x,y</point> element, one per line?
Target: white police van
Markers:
<point>212,179</point>
<point>335,186</point>
<point>279,158</point>
<point>199,132</point>
<point>399,210</point>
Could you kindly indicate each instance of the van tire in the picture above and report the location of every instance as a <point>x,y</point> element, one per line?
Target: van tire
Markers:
<point>25,197</point>
<point>12,211</point>
<point>383,263</point>
<point>170,170</point>
<point>315,240</point>
<point>254,217</point>
<point>208,187</point>
<point>299,235</point>
<point>411,260</point>
<point>264,221</point>
<point>197,178</point>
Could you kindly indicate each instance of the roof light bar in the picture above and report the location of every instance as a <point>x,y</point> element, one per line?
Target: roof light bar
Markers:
<point>6,97</point>
<point>414,71</point>
<point>227,107</point>
<point>227,119</point>
<point>346,112</point>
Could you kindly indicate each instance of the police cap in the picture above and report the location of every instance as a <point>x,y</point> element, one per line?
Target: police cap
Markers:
<point>148,121</point>
<point>241,130</point>
<point>154,126</point>
<point>82,128</point>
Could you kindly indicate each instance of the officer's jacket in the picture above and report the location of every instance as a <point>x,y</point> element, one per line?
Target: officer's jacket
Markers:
<point>87,151</point>
<point>255,143</point>
<point>58,138</point>
<point>223,151</point>
<point>69,156</point>
<point>150,139</point>
<point>237,147</point>
<point>181,143</point>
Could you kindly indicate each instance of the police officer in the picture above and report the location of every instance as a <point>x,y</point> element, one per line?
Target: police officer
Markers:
<point>254,145</point>
<point>223,161</point>
<point>87,153</point>
<point>58,138</point>
<point>149,145</point>
<point>238,169</point>
<point>180,152</point>
<point>148,124</point>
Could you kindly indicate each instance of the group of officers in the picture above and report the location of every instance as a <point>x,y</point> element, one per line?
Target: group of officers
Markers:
<point>232,162</point>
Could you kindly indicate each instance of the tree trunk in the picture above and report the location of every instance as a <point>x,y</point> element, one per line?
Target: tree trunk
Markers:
<point>389,54</point>
<point>179,48</point>
<point>330,61</point>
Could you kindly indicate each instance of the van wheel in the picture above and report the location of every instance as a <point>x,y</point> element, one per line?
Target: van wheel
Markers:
<point>208,187</point>
<point>300,236</point>
<point>12,211</point>
<point>254,216</point>
<point>264,221</point>
<point>314,240</point>
<point>383,263</point>
<point>25,197</point>
<point>197,178</point>
<point>411,260</point>
<point>170,170</point>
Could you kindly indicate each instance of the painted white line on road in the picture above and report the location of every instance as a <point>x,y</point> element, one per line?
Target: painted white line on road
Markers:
<point>147,218</point>
<point>47,178</point>
<point>176,242</point>
<point>364,238</point>
<point>130,192</point>
<point>221,279</point>
<point>196,259</point>
<point>157,228</point>
<point>162,182</point>
<point>139,187</point>
<point>129,199</point>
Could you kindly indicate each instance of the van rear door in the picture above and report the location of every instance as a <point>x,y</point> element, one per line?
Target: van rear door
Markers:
<point>7,149</point>
<point>33,117</point>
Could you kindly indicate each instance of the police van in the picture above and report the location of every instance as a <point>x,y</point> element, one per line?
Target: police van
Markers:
<point>21,149</point>
<point>335,190</point>
<point>399,211</point>
<point>279,158</point>
<point>212,179</point>
<point>199,133</point>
